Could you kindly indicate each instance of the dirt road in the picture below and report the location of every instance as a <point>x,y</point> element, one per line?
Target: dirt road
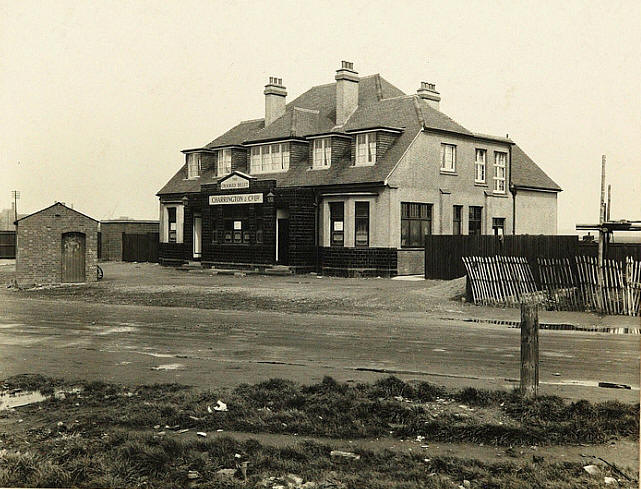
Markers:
<point>136,344</point>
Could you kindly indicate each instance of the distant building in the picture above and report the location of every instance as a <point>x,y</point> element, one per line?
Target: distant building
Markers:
<point>7,218</point>
<point>112,231</point>
<point>348,178</point>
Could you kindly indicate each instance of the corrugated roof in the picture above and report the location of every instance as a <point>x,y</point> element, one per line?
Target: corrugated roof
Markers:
<point>526,173</point>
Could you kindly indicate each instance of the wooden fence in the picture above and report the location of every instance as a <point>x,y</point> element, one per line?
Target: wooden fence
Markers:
<point>500,280</point>
<point>444,253</point>
<point>140,247</point>
<point>565,284</point>
<point>7,244</point>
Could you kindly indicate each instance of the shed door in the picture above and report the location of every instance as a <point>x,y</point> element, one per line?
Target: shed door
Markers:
<point>73,257</point>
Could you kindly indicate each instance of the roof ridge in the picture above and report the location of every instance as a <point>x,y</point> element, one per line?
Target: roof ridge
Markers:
<point>419,111</point>
<point>379,87</point>
<point>303,109</point>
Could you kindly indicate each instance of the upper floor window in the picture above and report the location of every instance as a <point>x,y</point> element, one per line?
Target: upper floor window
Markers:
<point>366,148</point>
<point>500,165</point>
<point>193,165</point>
<point>269,158</point>
<point>479,166</point>
<point>448,157</point>
<point>224,162</point>
<point>322,155</point>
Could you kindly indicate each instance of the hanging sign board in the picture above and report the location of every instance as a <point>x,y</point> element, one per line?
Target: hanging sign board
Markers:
<point>234,181</point>
<point>236,199</point>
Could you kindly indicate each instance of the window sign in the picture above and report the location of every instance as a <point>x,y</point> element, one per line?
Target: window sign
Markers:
<point>238,225</point>
<point>338,225</point>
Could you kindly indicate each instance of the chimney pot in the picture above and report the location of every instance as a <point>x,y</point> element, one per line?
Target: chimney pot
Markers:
<point>346,92</point>
<point>275,95</point>
<point>428,93</point>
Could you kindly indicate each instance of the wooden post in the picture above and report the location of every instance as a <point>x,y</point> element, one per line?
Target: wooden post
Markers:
<point>529,349</point>
<point>602,217</point>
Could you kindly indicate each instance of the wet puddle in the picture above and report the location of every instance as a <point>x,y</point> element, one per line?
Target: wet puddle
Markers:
<point>17,398</point>
<point>169,366</point>
<point>552,326</point>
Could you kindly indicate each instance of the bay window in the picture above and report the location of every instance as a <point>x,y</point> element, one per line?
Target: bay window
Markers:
<point>322,153</point>
<point>366,148</point>
<point>361,224</point>
<point>337,223</point>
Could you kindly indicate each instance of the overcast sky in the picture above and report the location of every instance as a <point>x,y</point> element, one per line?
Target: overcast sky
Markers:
<point>98,98</point>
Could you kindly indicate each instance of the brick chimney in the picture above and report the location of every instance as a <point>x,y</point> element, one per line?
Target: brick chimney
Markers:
<point>346,92</point>
<point>275,95</point>
<point>428,93</point>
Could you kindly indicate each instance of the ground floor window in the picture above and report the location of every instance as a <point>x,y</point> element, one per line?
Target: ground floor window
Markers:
<point>236,224</point>
<point>416,222</point>
<point>498,226</point>
<point>337,223</point>
<point>172,224</point>
<point>474,226</point>
<point>456,219</point>
<point>361,224</point>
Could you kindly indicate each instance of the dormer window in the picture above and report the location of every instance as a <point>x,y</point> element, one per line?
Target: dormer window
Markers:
<point>194,165</point>
<point>322,156</point>
<point>223,166</point>
<point>366,148</point>
<point>269,158</point>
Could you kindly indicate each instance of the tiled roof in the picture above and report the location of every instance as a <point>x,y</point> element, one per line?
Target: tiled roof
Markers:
<point>380,105</point>
<point>526,173</point>
<point>237,134</point>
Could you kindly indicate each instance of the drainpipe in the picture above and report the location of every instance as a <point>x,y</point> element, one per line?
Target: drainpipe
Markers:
<point>317,230</point>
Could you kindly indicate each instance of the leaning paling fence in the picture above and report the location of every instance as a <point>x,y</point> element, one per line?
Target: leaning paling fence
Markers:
<point>563,284</point>
<point>500,280</point>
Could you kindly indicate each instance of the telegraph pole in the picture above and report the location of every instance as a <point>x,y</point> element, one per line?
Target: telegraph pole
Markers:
<point>15,195</point>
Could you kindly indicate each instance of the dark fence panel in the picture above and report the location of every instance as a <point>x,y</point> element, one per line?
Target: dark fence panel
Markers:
<point>140,247</point>
<point>444,253</point>
<point>7,244</point>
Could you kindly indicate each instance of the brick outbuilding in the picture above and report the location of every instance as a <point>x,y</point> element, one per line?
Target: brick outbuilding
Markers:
<point>111,235</point>
<point>56,245</point>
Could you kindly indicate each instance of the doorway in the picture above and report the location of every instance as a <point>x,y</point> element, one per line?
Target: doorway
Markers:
<point>197,237</point>
<point>282,236</point>
<point>73,258</point>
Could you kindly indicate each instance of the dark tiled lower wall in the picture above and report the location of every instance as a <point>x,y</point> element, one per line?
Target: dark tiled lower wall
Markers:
<point>171,254</point>
<point>354,262</point>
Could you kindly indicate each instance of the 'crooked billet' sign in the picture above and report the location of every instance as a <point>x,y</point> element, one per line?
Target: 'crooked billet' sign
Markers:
<point>236,199</point>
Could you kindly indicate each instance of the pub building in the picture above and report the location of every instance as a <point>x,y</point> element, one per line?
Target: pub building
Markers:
<point>347,179</point>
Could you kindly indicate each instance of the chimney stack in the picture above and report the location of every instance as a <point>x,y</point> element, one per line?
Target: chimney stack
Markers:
<point>428,93</point>
<point>275,95</point>
<point>346,92</point>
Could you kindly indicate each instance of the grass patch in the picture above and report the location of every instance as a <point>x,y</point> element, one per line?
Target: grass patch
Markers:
<point>389,407</point>
<point>133,459</point>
